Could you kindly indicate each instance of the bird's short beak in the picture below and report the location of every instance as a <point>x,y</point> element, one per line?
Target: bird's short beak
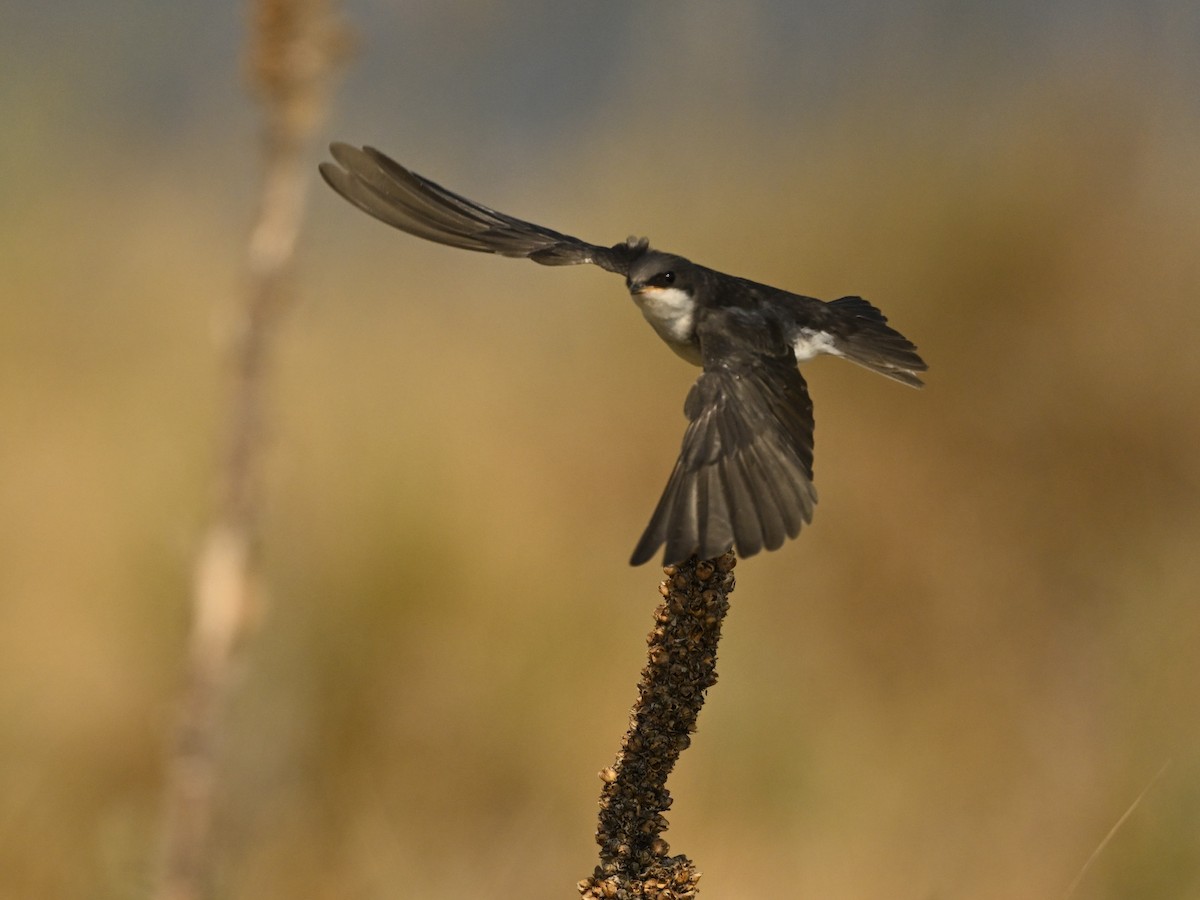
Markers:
<point>636,287</point>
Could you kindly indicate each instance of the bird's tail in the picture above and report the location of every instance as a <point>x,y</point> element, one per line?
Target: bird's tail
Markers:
<point>864,337</point>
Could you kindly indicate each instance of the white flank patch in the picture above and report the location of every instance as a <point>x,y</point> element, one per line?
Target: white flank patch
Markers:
<point>809,343</point>
<point>671,311</point>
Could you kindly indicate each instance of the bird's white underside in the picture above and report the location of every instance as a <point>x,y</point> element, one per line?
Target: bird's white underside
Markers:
<point>670,311</point>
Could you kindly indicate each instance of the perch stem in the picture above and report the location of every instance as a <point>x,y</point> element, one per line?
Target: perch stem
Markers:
<point>681,666</point>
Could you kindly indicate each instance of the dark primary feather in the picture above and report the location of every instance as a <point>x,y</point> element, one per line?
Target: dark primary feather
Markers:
<point>744,475</point>
<point>381,187</point>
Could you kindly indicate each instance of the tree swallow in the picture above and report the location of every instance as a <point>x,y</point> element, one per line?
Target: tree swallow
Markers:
<point>744,477</point>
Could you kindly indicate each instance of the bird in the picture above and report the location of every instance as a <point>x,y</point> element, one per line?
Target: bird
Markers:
<point>744,477</point>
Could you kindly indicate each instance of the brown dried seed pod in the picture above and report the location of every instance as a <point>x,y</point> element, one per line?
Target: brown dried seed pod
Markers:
<point>681,659</point>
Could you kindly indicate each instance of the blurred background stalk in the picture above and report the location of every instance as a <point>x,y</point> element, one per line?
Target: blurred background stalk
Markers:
<point>294,48</point>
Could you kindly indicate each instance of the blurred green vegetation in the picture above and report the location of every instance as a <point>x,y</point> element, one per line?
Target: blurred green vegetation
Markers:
<point>952,685</point>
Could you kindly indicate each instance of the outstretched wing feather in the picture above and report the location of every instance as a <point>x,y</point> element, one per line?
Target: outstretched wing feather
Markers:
<point>744,475</point>
<point>386,190</point>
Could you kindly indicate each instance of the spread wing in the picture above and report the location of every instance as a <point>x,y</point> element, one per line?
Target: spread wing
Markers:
<point>744,475</point>
<point>383,188</point>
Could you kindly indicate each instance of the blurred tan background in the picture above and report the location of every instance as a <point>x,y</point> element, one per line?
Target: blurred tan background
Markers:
<point>952,685</point>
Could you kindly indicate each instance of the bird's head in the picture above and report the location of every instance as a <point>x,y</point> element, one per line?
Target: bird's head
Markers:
<point>661,276</point>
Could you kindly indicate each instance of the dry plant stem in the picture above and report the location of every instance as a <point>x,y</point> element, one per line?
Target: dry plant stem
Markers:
<point>295,45</point>
<point>681,666</point>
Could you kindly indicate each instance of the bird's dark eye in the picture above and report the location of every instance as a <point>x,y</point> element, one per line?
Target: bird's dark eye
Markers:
<point>663,279</point>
